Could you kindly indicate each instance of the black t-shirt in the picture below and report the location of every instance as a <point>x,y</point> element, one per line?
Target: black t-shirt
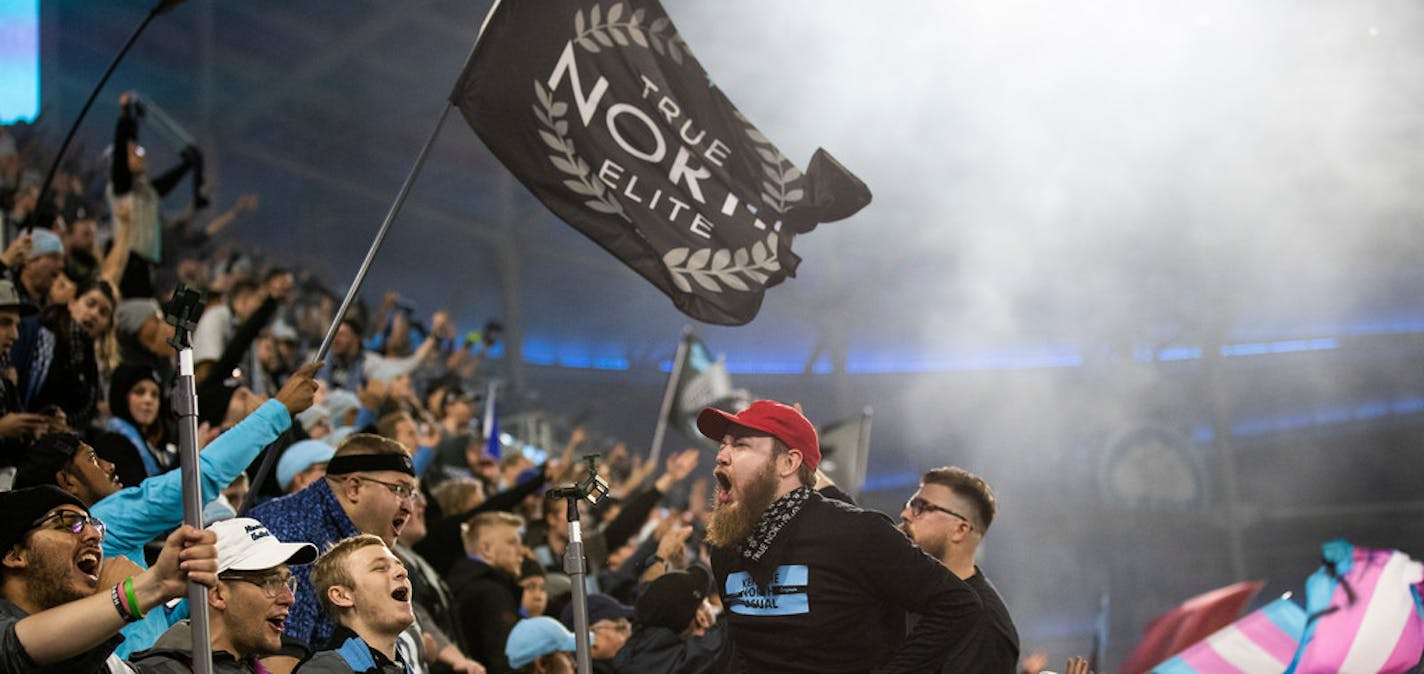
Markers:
<point>994,647</point>
<point>831,594</point>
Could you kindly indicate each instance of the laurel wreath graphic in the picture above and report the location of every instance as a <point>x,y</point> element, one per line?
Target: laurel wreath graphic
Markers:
<point>780,189</point>
<point>712,269</point>
<point>555,135</point>
<point>606,30</point>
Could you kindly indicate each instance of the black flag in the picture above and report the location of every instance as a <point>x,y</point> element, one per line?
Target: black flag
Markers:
<point>602,112</point>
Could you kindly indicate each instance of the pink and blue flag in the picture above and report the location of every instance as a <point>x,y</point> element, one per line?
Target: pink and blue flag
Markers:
<point>1263,642</point>
<point>1364,613</point>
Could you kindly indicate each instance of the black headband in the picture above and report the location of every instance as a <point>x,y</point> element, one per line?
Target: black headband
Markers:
<point>358,463</point>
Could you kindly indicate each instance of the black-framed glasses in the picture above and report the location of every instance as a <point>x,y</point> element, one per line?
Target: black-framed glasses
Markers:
<point>271,584</point>
<point>71,521</point>
<point>918,506</point>
<point>404,492</point>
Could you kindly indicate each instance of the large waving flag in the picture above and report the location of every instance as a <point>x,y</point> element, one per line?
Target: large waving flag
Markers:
<point>1193,620</point>
<point>1263,642</point>
<point>1365,613</point>
<point>600,109</point>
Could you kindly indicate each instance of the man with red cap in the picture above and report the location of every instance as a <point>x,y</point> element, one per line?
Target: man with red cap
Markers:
<point>812,584</point>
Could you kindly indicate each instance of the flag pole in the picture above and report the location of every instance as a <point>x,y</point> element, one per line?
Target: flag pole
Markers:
<point>270,457</point>
<point>381,234</point>
<point>400,199</point>
<point>1100,634</point>
<point>162,7</point>
<point>862,456</point>
<point>674,377</point>
<point>487,423</point>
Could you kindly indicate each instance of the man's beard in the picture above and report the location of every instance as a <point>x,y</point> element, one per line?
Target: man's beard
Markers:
<point>933,547</point>
<point>52,584</point>
<point>732,523</point>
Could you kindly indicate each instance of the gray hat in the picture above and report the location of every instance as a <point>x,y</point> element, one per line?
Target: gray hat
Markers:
<point>10,299</point>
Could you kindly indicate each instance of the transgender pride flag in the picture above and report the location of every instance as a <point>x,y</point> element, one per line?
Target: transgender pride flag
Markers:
<point>1365,613</point>
<point>1263,642</point>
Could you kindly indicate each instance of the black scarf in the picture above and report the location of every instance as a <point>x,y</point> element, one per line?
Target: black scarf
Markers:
<point>773,519</point>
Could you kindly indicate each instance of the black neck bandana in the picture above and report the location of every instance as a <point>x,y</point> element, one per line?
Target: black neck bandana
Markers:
<point>776,516</point>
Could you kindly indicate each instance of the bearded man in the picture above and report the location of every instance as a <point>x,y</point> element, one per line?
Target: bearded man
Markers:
<point>812,584</point>
<point>948,518</point>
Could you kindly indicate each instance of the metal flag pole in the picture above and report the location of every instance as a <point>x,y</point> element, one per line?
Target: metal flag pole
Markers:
<point>270,459</point>
<point>381,234</point>
<point>487,422</point>
<point>182,312</point>
<point>678,360</point>
<point>166,121</point>
<point>161,8</point>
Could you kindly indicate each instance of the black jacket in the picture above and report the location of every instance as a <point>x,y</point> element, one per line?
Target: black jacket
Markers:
<point>831,594</point>
<point>486,606</point>
<point>659,650</point>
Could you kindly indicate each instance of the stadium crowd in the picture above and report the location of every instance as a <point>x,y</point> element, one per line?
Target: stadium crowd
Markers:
<point>393,536</point>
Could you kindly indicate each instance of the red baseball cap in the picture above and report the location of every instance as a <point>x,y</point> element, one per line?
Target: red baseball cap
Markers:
<point>780,421</point>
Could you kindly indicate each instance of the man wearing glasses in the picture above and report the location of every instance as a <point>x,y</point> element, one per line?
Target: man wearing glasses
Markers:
<point>61,603</point>
<point>247,607</point>
<point>144,512</point>
<point>947,518</point>
<point>369,488</point>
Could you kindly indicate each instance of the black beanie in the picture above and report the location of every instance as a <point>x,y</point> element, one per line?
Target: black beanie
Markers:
<point>48,456</point>
<point>671,601</point>
<point>126,376</point>
<point>23,506</point>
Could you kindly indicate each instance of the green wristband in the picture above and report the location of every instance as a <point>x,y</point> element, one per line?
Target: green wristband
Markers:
<point>133,601</point>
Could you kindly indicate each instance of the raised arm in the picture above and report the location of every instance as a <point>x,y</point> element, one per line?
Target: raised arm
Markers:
<point>125,132</point>
<point>118,257</point>
<point>69,629</point>
<point>244,203</point>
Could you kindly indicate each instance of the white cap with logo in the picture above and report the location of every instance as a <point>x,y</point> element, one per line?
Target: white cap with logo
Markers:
<point>244,544</point>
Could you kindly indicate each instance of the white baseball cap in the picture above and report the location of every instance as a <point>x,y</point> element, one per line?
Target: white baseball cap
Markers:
<point>244,544</point>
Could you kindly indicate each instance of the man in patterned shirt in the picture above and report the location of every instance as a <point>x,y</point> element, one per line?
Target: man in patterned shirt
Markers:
<point>369,488</point>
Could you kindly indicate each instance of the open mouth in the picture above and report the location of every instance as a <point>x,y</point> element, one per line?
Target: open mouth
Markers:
<point>724,486</point>
<point>401,594</point>
<point>88,564</point>
<point>398,524</point>
<point>278,623</point>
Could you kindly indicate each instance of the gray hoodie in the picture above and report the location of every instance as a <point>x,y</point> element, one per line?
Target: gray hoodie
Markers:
<point>173,654</point>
